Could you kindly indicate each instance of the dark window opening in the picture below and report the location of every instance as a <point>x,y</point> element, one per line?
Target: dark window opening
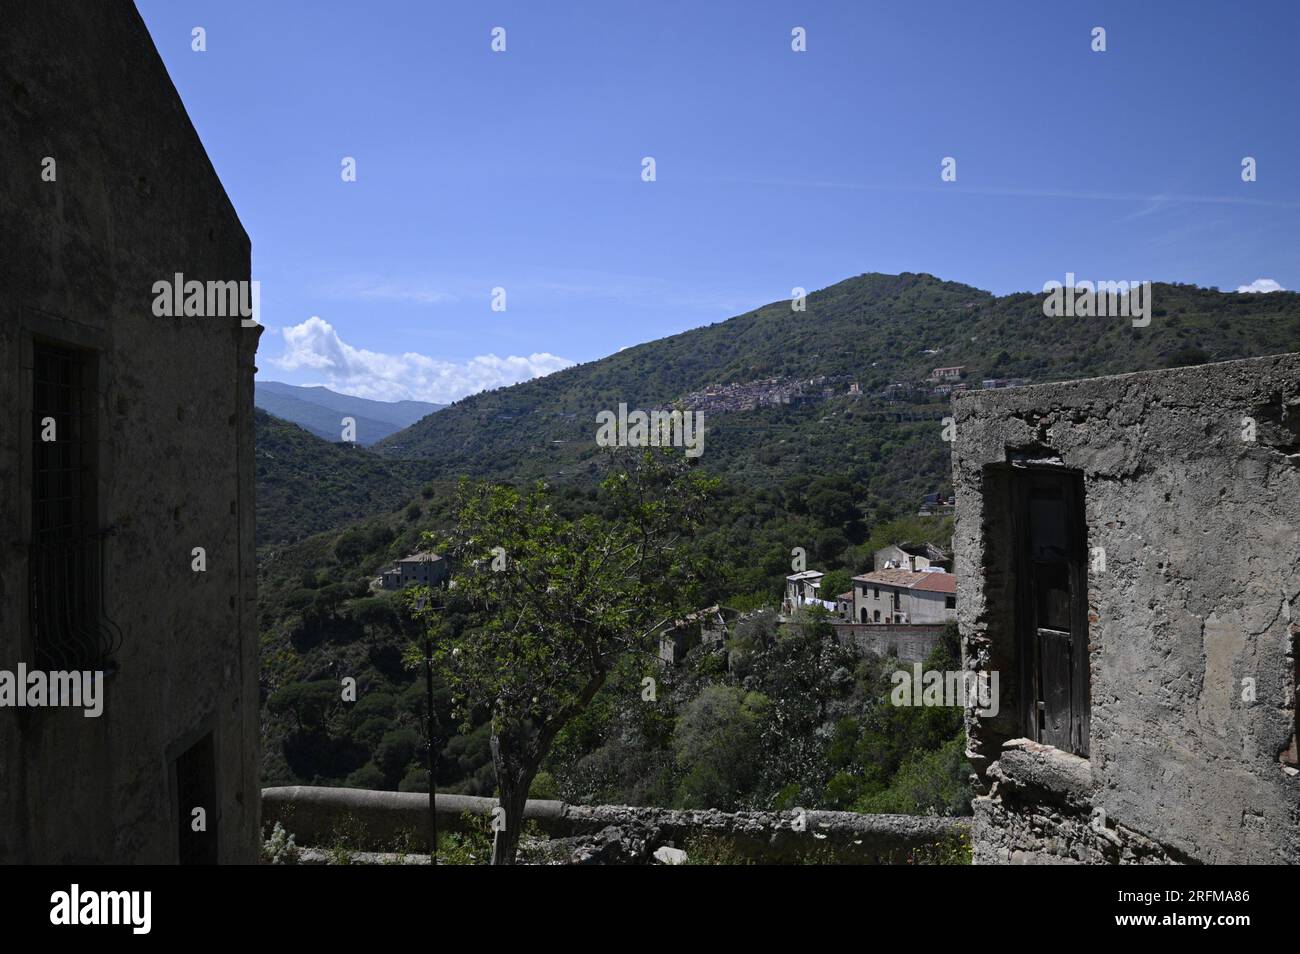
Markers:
<point>196,788</point>
<point>69,629</point>
<point>1052,607</point>
<point>950,602</point>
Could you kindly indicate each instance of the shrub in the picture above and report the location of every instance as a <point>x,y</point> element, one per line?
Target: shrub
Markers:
<point>278,848</point>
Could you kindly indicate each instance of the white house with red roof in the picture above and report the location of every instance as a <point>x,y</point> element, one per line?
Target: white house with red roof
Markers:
<point>900,595</point>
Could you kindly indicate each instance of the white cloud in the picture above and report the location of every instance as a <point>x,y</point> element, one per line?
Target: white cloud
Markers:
<point>1261,286</point>
<point>314,345</point>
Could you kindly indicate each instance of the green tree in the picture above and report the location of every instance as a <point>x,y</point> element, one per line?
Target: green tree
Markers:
<point>553,603</point>
<point>834,583</point>
<point>310,703</point>
<point>716,744</point>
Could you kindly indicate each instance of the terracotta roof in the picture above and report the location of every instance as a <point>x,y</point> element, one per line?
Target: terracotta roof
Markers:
<point>893,577</point>
<point>846,596</point>
<point>929,582</point>
<point>937,583</point>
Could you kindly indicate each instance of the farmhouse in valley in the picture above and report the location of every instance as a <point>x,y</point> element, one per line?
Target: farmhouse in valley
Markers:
<point>424,568</point>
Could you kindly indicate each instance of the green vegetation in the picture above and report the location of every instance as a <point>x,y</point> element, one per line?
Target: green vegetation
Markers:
<point>873,329</point>
<point>306,485</point>
<point>786,717</point>
<point>278,847</point>
<point>546,606</point>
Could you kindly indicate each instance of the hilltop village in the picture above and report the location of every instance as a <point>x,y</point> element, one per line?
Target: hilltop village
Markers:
<point>779,392</point>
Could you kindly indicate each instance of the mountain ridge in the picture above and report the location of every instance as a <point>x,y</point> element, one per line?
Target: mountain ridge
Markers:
<point>837,474</point>
<point>321,411</point>
<point>307,485</point>
<point>874,330</point>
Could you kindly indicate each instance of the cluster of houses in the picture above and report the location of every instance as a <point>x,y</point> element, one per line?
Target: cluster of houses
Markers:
<point>770,392</point>
<point>776,392</point>
<point>909,585</point>
<point>900,607</point>
<point>942,382</point>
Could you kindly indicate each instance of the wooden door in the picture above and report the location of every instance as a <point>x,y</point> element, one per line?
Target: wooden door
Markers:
<point>1052,606</point>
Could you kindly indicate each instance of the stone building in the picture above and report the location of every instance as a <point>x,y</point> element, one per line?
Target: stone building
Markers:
<point>707,627</point>
<point>802,589</point>
<point>425,568</point>
<point>126,459</point>
<point>1132,546</point>
<point>901,596</point>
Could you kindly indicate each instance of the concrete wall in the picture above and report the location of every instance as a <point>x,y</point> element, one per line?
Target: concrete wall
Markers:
<point>135,200</point>
<point>926,606</point>
<point>369,819</point>
<point>1198,607</point>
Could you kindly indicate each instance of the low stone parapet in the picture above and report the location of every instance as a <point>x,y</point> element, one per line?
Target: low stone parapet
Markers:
<point>374,820</point>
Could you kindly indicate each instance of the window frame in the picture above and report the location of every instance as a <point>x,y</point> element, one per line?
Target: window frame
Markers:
<point>1028,632</point>
<point>38,330</point>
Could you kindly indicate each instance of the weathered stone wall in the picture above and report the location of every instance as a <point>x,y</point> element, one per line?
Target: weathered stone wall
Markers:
<point>135,201</point>
<point>1042,812</point>
<point>911,643</point>
<point>615,833</point>
<point>1198,608</point>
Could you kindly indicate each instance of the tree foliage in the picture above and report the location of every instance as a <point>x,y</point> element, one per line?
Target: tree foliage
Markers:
<point>553,603</point>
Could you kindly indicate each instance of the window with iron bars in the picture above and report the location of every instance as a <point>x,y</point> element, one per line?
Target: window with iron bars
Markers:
<point>69,628</point>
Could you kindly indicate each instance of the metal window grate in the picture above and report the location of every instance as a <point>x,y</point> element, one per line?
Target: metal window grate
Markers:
<point>69,627</point>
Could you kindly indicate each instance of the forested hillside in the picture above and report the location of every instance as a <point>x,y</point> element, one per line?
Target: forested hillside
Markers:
<point>875,330</point>
<point>837,472</point>
<point>306,485</point>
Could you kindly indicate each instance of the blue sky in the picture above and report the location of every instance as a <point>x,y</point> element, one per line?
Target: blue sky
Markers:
<point>775,169</point>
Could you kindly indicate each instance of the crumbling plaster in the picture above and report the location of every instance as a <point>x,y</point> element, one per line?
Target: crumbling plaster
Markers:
<point>1200,596</point>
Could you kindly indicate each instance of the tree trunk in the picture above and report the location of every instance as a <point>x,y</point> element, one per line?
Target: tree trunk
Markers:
<point>518,749</point>
<point>514,778</point>
<point>505,843</point>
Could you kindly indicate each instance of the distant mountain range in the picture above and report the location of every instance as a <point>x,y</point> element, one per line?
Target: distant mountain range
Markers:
<point>321,411</point>
<point>872,331</point>
<point>853,367</point>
